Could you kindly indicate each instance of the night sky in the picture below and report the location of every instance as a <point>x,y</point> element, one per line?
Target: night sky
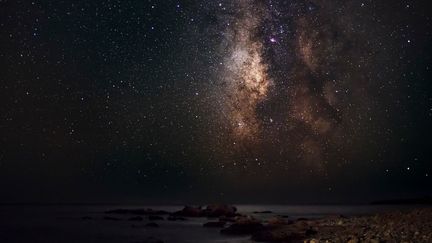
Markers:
<point>204,100</point>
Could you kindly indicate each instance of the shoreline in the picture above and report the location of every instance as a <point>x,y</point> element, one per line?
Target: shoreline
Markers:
<point>401,225</point>
<point>395,226</point>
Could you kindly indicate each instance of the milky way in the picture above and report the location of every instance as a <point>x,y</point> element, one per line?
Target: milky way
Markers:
<point>246,72</point>
<point>307,113</point>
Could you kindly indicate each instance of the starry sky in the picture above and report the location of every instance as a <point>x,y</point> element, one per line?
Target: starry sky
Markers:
<point>215,100</point>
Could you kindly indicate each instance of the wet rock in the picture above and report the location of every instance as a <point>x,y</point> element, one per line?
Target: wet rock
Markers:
<point>155,217</point>
<point>189,211</point>
<point>278,221</point>
<point>218,224</point>
<point>218,210</point>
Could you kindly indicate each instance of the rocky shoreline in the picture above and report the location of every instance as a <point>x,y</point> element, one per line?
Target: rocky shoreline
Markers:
<point>408,226</point>
<point>412,226</point>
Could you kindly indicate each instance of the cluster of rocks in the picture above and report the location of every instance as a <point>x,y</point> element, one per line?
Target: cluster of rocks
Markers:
<point>410,226</point>
<point>413,226</point>
<point>211,211</point>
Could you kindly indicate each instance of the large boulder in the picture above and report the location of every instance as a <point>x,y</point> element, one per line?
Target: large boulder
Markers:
<point>278,221</point>
<point>219,210</point>
<point>189,211</point>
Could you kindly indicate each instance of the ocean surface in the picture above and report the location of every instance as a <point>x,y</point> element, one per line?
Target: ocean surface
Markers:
<point>65,223</point>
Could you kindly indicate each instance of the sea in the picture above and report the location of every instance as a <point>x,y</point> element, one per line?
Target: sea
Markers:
<point>87,223</point>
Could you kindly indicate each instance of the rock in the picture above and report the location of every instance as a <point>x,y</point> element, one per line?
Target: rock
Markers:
<point>211,211</point>
<point>262,212</point>
<point>111,218</point>
<point>310,232</point>
<point>243,226</point>
<point>278,221</point>
<point>218,224</point>
<point>152,224</point>
<point>353,240</point>
<point>155,217</point>
<point>399,226</point>
<point>218,210</point>
<point>189,211</point>
<point>137,218</point>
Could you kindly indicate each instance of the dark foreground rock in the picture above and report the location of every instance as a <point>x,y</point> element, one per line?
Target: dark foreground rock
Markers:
<point>219,210</point>
<point>278,221</point>
<point>412,226</point>
<point>244,226</point>
<point>189,211</point>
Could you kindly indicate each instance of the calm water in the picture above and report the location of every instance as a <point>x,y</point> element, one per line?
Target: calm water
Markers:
<point>64,224</point>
